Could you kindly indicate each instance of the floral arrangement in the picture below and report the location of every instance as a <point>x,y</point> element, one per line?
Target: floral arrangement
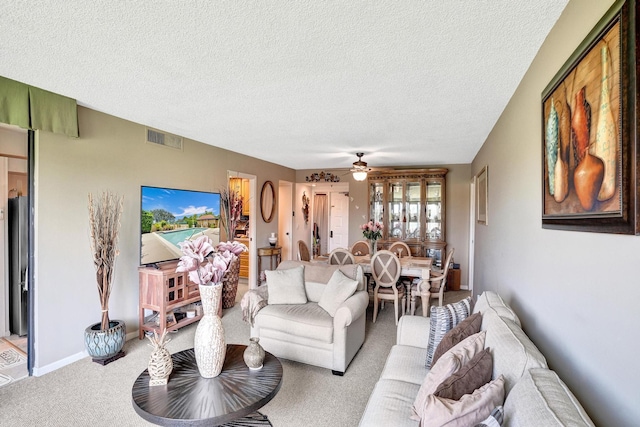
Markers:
<point>231,204</point>
<point>372,230</point>
<point>196,251</point>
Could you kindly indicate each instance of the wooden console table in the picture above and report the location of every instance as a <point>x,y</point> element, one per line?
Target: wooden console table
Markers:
<point>189,399</point>
<point>274,253</point>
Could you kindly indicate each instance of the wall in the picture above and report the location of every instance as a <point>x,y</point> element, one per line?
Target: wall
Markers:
<point>576,293</point>
<point>112,154</point>
<point>457,203</point>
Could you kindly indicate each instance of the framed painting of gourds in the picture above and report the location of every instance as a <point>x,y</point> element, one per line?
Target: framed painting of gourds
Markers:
<point>589,132</point>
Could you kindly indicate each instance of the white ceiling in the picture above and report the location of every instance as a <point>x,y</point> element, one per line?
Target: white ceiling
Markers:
<point>304,84</point>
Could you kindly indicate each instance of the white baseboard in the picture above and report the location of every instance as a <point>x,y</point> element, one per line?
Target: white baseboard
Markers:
<point>37,372</point>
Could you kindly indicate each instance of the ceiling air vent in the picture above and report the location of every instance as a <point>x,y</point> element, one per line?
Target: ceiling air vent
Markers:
<point>164,139</point>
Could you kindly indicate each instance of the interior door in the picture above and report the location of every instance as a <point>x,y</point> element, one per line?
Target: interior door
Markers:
<point>338,220</point>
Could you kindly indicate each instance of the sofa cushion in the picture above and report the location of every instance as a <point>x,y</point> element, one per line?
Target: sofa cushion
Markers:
<point>443,319</point>
<point>491,301</point>
<point>513,352</point>
<point>493,420</point>
<point>469,326</point>
<point>303,320</point>
<point>472,375</point>
<point>317,275</point>
<point>541,398</point>
<point>390,405</point>
<point>337,290</point>
<point>286,286</point>
<point>450,362</point>
<point>402,364</point>
<point>469,410</point>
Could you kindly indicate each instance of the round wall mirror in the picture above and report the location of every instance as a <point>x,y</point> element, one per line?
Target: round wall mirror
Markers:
<point>268,201</point>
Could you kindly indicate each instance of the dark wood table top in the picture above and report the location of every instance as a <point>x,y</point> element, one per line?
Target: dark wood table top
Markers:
<point>189,399</point>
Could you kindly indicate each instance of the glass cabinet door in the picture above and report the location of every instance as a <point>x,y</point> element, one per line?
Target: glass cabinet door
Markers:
<point>376,202</point>
<point>411,215</point>
<point>395,211</point>
<point>434,211</point>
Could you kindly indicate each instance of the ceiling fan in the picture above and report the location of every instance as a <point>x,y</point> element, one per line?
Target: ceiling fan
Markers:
<point>359,169</point>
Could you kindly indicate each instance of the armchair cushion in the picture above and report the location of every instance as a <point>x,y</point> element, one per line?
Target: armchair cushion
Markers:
<point>337,290</point>
<point>286,286</point>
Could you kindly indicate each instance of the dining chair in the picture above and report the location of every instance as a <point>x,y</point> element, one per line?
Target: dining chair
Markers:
<point>341,256</point>
<point>401,249</point>
<point>303,251</point>
<point>385,267</point>
<point>431,288</point>
<point>361,247</point>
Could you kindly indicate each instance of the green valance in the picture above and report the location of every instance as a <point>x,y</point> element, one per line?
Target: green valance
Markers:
<point>34,108</point>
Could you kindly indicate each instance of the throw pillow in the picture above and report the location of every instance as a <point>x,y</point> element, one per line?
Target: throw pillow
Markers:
<point>469,326</point>
<point>286,286</point>
<point>493,420</point>
<point>338,289</point>
<point>447,365</point>
<point>471,376</point>
<point>443,319</point>
<point>468,411</point>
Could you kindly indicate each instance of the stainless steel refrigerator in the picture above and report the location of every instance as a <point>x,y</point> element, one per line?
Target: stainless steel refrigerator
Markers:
<point>18,287</point>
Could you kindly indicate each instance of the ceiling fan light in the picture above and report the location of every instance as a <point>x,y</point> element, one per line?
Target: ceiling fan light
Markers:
<point>360,175</point>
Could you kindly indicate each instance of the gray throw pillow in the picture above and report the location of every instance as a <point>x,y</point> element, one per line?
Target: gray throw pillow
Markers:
<point>286,286</point>
<point>493,420</point>
<point>442,320</point>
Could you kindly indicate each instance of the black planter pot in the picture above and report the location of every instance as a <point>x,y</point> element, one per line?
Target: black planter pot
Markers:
<point>103,344</point>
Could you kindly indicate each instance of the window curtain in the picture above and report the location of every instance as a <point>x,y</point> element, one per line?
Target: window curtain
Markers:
<point>32,108</point>
<point>320,224</point>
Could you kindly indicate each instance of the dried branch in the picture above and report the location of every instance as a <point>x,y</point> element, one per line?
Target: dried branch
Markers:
<point>104,224</point>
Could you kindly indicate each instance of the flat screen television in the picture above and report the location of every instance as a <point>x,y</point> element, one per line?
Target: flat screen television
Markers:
<point>170,216</point>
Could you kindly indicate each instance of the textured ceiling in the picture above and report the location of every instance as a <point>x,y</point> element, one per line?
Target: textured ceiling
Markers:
<point>304,84</point>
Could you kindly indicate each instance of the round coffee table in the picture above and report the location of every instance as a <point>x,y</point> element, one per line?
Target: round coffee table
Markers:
<point>189,399</point>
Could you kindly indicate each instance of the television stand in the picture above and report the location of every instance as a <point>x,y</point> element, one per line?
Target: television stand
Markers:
<point>162,290</point>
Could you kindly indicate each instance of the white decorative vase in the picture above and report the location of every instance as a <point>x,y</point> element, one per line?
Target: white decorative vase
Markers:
<point>273,239</point>
<point>209,345</point>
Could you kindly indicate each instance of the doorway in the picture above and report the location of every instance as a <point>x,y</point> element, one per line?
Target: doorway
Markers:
<point>285,219</point>
<point>330,204</point>
<point>246,184</point>
<point>16,144</point>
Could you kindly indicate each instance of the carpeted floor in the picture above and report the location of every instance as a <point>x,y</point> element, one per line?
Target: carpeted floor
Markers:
<point>86,393</point>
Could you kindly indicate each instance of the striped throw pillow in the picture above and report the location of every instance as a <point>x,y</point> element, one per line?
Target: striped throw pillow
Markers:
<point>443,319</point>
<point>493,420</point>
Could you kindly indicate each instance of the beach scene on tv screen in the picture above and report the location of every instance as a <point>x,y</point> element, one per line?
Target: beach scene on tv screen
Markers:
<point>170,216</point>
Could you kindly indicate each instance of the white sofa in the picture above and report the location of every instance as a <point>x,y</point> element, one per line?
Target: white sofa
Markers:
<point>534,395</point>
<point>306,332</point>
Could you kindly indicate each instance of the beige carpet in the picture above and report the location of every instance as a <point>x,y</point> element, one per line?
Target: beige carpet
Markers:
<point>86,393</point>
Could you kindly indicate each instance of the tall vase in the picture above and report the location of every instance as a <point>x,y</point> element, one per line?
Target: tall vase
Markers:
<point>373,247</point>
<point>209,345</point>
<point>606,143</point>
<point>230,283</point>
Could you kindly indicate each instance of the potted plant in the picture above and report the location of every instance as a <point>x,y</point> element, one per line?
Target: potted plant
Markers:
<point>104,340</point>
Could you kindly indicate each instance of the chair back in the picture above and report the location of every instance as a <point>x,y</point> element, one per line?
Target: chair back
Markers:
<point>385,268</point>
<point>341,257</point>
<point>361,247</point>
<point>303,251</point>
<point>401,249</point>
<point>442,278</point>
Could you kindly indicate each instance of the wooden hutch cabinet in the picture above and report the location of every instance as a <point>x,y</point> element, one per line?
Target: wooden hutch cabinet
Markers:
<point>410,203</point>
